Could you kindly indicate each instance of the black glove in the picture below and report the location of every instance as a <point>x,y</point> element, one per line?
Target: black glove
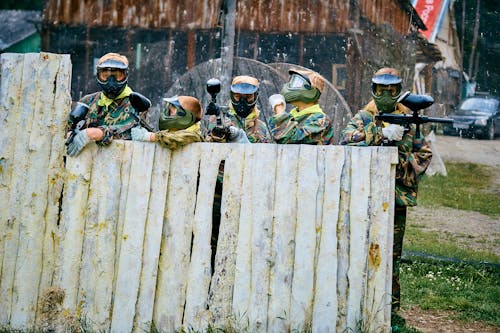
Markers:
<point>220,132</point>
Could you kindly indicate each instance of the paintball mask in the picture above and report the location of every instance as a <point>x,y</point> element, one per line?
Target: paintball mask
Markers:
<point>112,74</point>
<point>301,88</point>
<point>179,113</point>
<point>386,89</point>
<point>244,92</point>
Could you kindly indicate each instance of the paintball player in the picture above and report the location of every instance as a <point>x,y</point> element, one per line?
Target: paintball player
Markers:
<point>414,156</point>
<point>109,113</point>
<point>306,122</point>
<point>179,124</point>
<point>242,114</point>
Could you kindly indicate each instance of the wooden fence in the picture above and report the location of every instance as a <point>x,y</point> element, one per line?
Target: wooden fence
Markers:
<point>305,240</point>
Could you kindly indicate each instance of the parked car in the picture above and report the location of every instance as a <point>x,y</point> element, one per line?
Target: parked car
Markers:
<point>476,117</point>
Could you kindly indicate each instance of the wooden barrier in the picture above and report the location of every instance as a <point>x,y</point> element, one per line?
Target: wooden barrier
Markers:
<point>305,240</point>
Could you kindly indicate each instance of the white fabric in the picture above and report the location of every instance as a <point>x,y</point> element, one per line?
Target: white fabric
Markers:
<point>80,140</point>
<point>276,99</point>
<point>237,135</point>
<point>393,132</point>
<point>140,134</point>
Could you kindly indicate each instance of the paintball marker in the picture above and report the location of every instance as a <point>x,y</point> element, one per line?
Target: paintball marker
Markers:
<point>77,120</point>
<point>213,88</point>
<point>414,103</point>
<point>140,103</point>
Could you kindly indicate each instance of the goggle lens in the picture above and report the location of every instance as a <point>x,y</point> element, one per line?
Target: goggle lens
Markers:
<point>299,82</point>
<point>104,74</point>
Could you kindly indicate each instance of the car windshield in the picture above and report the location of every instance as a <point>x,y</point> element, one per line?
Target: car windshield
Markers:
<point>475,105</point>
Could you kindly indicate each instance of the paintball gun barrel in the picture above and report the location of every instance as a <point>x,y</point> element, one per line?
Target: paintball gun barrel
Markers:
<point>77,120</point>
<point>414,103</point>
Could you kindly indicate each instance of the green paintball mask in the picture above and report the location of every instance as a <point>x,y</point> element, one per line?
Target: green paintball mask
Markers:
<point>299,88</point>
<point>182,118</point>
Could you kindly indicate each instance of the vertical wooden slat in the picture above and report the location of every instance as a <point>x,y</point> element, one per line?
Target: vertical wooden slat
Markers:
<point>132,238</point>
<point>176,244</point>
<point>152,240</point>
<point>263,174</point>
<point>199,275</point>
<point>72,226</point>
<point>34,195</point>
<point>360,173</point>
<point>283,243</point>
<point>305,239</point>
<point>17,202</point>
<point>325,296</point>
<point>98,266</point>
<point>223,279</point>
<point>10,114</point>
<point>376,298</point>
<point>60,104</point>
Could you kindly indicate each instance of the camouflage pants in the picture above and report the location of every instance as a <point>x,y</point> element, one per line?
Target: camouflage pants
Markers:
<point>397,249</point>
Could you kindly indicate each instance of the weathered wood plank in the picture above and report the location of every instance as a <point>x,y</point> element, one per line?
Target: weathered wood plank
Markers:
<point>176,244</point>
<point>132,238</point>
<point>72,230</point>
<point>98,266</point>
<point>325,295</point>
<point>376,299</point>
<point>223,279</point>
<point>305,239</point>
<point>13,259</point>
<point>283,243</point>
<point>261,187</point>
<point>152,240</point>
<point>10,115</point>
<point>360,186</point>
<point>34,197</point>
<point>199,276</point>
<point>59,106</point>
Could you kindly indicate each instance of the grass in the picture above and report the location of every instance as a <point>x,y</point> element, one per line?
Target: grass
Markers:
<point>472,293</point>
<point>468,186</point>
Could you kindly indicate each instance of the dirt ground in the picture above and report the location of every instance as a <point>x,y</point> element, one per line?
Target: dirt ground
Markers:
<point>472,229</point>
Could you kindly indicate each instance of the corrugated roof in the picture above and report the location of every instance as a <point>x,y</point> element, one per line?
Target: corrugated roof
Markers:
<point>17,25</point>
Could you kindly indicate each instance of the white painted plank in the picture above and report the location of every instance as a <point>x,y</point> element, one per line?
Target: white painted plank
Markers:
<point>152,240</point>
<point>60,108</point>
<point>34,197</point>
<point>283,243</point>
<point>195,313</point>
<point>17,203</point>
<point>221,286</point>
<point>176,244</point>
<point>305,239</point>
<point>72,227</point>
<point>10,114</point>
<point>132,238</point>
<point>325,296</point>
<point>263,174</point>
<point>377,301</point>
<point>360,191</point>
<point>100,236</point>
<point>343,241</point>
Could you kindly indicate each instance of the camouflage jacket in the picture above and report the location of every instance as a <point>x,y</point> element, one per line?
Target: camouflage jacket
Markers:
<point>113,119</point>
<point>255,129</point>
<point>175,139</point>
<point>414,152</point>
<point>310,126</point>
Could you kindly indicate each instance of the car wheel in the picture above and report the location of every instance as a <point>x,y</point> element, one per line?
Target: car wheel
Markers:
<point>491,131</point>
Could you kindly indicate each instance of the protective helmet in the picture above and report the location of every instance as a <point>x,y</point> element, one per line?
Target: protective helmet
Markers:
<point>112,74</point>
<point>244,92</point>
<point>386,89</point>
<point>304,85</point>
<point>188,111</point>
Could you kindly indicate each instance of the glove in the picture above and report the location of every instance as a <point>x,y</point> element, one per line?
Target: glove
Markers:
<point>277,99</point>
<point>220,132</point>
<point>237,135</point>
<point>393,132</point>
<point>80,140</point>
<point>140,134</point>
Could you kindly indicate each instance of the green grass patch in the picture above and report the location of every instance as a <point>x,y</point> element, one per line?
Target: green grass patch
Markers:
<point>468,186</point>
<point>471,292</point>
<point>442,244</point>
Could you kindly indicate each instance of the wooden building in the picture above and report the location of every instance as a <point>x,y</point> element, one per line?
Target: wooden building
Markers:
<point>345,41</point>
